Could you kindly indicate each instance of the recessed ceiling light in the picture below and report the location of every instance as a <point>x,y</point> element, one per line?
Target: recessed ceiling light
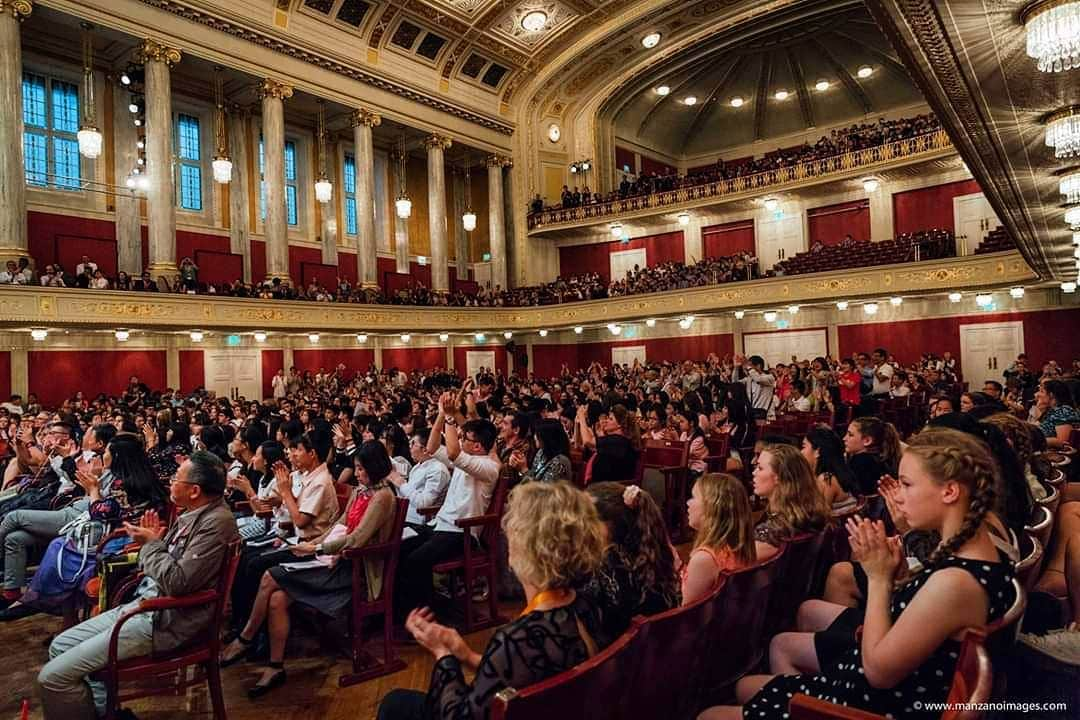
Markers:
<point>793,309</point>
<point>689,100</point>
<point>842,305</point>
<point>543,333</point>
<point>662,90</point>
<point>406,337</point>
<point>770,316</point>
<point>865,71</point>
<point>822,85</point>
<point>508,334</point>
<point>443,337</point>
<point>1068,286</point>
<point>260,336</point>
<point>737,101</point>
<point>870,308</point>
<point>781,95</point>
<point>313,338</point>
<point>361,338</point>
<point>1016,293</point>
<point>651,40</point>
<point>955,297</point>
<point>771,204</point>
<point>39,334</point>
<point>480,337</point>
<point>896,300</point>
<point>684,218</point>
<point>534,21</point>
<point>984,300</point>
<point>122,335</point>
<point>740,314</point>
<point>578,330</point>
<point>651,322</point>
<point>871,184</point>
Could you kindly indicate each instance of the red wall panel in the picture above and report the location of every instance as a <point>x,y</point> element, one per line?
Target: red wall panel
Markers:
<point>408,359</point>
<point>624,159</point>
<point>1048,335</point>
<point>187,243</point>
<point>461,360</point>
<point>549,359</point>
<point>829,224</point>
<point>217,267</point>
<point>728,239</point>
<point>272,361</point>
<point>192,370</point>
<point>300,255</point>
<point>58,238</point>
<point>929,208</point>
<point>384,265</point>
<point>347,266</point>
<point>5,375</point>
<point>258,261</point>
<point>653,166</point>
<point>56,375</point>
<point>144,248</point>
<point>354,359</point>
<point>662,248</point>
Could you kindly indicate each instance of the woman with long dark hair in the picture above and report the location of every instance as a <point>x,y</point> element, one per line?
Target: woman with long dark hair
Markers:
<point>551,463</point>
<point>825,453</point>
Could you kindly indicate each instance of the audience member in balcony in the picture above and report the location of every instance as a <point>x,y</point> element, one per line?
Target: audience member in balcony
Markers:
<point>145,283</point>
<point>639,574</point>
<point>825,453</point>
<point>11,275</point>
<point>50,277</point>
<point>1055,413</point>
<point>189,275</point>
<point>556,542</point>
<point>794,503</point>
<point>907,652</point>
<point>719,510</point>
<point>86,266</point>
<point>99,281</point>
<point>123,281</point>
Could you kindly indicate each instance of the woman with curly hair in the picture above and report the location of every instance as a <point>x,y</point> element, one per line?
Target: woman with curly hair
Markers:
<point>906,656</point>
<point>794,503</point>
<point>639,574</point>
<point>556,541</point>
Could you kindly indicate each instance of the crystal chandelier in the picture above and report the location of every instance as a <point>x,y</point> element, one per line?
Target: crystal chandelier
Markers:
<point>1070,187</point>
<point>90,138</point>
<point>1063,132</point>
<point>1053,34</point>
<point>468,219</point>
<point>222,165</point>
<point>324,189</point>
<point>402,204</point>
<point>1072,217</point>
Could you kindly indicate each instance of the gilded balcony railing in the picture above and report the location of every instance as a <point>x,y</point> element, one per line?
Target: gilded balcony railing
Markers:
<point>824,167</point>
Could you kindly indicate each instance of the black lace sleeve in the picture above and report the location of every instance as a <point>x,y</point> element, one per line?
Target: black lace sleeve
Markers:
<point>528,650</point>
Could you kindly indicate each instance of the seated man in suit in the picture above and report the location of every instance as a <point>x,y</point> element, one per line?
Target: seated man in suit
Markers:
<point>185,560</point>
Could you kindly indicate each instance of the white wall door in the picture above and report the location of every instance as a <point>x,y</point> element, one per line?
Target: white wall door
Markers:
<point>974,219</point>
<point>477,359</point>
<point>623,261</point>
<point>627,355</point>
<point>778,347</point>
<point>482,274</point>
<point>233,372</point>
<point>778,239</point>
<point>986,349</point>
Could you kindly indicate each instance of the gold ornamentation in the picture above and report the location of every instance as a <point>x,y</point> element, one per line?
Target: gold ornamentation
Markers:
<point>152,50</point>
<point>496,160</point>
<point>365,117</point>
<point>437,141</point>
<point>19,9</point>
<point>119,308</point>
<point>270,88</point>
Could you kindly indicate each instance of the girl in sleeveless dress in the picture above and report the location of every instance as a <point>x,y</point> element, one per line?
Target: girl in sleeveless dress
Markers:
<point>719,510</point>
<point>905,659</point>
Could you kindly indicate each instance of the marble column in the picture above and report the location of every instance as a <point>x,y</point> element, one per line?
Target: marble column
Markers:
<point>693,244</point>
<point>461,238</point>
<point>436,182</point>
<point>239,228</point>
<point>366,253</point>
<point>496,220</point>
<point>128,223</point>
<point>160,196</point>
<point>13,238</point>
<point>401,227</point>
<point>275,227</point>
<point>881,214</point>
<point>328,229</point>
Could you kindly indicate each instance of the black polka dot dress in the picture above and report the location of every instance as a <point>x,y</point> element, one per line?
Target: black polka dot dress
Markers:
<point>843,681</point>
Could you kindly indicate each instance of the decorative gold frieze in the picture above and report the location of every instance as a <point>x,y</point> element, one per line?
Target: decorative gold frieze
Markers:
<point>19,9</point>
<point>274,89</point>
<point>365,117</point>
<point>50,307</point>
<point>437,141</point>
<point>496,160</point>
<point>153,51</point>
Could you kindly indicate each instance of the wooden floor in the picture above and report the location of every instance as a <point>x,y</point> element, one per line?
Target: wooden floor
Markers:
<point>311,692</point>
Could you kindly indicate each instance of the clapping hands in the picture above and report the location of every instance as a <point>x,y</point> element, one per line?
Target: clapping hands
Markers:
<point>881,556</point>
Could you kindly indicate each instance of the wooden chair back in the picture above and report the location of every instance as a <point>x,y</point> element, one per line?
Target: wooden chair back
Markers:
<point>1051,501</point>
<point>973,681</point>
<point>1027,570</point>
<point>1042,525</point>
<point>574,694</point>
<point>796,576</point>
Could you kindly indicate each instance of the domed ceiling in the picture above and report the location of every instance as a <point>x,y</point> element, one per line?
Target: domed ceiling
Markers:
<point>813,53</point>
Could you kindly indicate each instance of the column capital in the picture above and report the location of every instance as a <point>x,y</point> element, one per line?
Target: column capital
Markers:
<point>497,160</point>
<point>365,117</point>
<point>152,50</point>
<point>437,141</point>
<point>19,9</point>
<point>270,88</point>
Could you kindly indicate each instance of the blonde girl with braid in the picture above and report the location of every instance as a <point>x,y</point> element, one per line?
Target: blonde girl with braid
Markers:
<point>906,657</point>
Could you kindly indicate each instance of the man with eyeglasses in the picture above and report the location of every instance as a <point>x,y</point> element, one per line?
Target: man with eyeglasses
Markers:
<point>469,454</point>
<point>41,472</point>
<point>185,560</point>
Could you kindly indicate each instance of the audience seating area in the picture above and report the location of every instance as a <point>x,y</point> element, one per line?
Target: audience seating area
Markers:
<point>925,245</point>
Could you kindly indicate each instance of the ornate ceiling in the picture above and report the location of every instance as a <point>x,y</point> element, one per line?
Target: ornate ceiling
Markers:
<point>969,57</point>
<point>790,51</point>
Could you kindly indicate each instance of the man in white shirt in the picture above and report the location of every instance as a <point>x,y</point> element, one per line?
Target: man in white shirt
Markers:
<point>760,385</point>
<point>475,468</point>
<point>11,275</point>
<point>883,373</point>
<point>86,266</point>
<point>427,481</point>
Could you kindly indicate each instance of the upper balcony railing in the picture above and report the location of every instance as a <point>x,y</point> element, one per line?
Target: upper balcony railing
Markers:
<point>907,149</point>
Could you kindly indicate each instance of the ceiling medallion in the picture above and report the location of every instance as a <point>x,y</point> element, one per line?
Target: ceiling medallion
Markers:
<point>1063,132</point>
<point>1053,34</point>
<point>651,40</point>
<point>534,21</point>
